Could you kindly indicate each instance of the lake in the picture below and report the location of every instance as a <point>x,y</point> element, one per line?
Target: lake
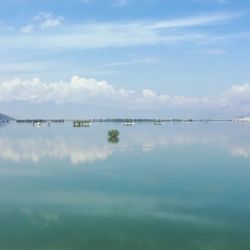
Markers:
<point>178,186</point>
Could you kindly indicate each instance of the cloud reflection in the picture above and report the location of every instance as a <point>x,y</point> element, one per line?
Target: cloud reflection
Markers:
<point>59,148</point>
<point>233,138</point>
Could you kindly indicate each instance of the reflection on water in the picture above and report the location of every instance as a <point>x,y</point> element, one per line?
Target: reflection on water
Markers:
<point>175,186</point>
<point>57,148</point>
<point>113,140</point>
<point>86,148</point>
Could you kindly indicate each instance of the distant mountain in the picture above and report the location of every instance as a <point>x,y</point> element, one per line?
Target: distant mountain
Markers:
<point>5,117</point>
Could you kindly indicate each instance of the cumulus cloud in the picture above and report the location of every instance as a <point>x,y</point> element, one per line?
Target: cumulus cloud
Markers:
<point>147,93</point>
<point>77,90</point>
<point>81,90</point>
<point>240,90</point>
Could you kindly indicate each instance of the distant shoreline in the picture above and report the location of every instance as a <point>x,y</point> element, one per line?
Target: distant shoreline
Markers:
<point>124,120</point>
<point>121,120</point>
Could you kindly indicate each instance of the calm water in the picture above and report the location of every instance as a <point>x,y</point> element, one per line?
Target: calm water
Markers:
<point>169,187</point>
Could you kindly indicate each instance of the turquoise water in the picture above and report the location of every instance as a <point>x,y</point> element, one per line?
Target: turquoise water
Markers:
<point>170,187</point>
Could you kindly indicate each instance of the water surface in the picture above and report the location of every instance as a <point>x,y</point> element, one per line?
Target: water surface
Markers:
<point>172,187</point>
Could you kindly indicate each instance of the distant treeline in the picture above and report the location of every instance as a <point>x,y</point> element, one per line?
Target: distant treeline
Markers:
<point>132,120</point>
<point>39,120</point>
<point>153,120</point>
<point>124,120</point>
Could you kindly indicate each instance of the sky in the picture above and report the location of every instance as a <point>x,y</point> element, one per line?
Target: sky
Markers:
<point>125,58</point>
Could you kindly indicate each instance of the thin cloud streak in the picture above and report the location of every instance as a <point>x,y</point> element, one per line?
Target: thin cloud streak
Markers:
<point>111,34</point>
<point>125,63</point>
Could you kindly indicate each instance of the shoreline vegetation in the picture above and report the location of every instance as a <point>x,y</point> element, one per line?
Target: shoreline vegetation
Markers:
<point>126,121</point>
<point>88,122</point>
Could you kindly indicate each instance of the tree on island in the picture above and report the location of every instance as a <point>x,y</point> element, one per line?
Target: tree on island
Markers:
<point>113,136</point>
<point>113,133</point>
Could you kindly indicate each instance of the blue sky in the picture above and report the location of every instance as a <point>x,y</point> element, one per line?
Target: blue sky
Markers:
<point>177,57</point>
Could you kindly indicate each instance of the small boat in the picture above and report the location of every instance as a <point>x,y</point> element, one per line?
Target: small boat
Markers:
<point>37,124</point>
<point>129,123</point>
<point>79,123</point>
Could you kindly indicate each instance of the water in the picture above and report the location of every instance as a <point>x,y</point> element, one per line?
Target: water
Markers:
<point>170,187</point>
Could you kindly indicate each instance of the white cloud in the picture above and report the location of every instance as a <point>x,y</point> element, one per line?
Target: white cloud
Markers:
<point>147,93</point>
<point>77,90</point>
<point>51,22</point>
<point>90,91</point>
<point>48,20</point>
<point>116,34</point>
<point>240,90</point>
<point>194,21</point>
<point>42,16</point>
<point>28,28</point>
<point>43,21</point>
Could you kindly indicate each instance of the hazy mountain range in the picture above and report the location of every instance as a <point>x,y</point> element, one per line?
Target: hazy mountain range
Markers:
<point>5,117</point>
